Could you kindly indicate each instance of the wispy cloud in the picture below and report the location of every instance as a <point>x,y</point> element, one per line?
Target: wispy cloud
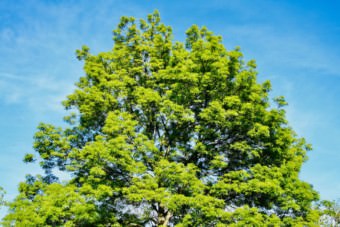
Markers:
<point>40,67</point>
<point>286,50</point>
<point>39,93</point>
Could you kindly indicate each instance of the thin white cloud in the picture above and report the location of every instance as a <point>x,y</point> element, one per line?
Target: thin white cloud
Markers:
<point>286,50</point>
<point>39,93</point>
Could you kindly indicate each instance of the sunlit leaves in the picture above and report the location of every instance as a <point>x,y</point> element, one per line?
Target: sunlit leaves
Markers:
<point>165,133</point>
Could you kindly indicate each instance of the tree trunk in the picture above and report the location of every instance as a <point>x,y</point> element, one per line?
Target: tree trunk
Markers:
<point>164,216</point>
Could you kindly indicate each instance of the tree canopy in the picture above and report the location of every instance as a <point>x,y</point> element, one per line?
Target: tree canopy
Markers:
<point>165,133</point>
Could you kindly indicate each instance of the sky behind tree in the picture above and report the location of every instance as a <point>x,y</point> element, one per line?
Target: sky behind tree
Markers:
<point>295,44</point>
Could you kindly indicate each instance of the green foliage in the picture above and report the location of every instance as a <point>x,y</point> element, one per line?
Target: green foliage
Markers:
<point>168,134</point>
<point>330,213</point>
<point>2,194</point>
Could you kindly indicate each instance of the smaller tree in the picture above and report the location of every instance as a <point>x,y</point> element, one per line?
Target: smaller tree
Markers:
<point>330,213</point>
<point>2,193</point>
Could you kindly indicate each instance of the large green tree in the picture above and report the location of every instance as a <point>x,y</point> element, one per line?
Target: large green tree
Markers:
<point>166,133</point>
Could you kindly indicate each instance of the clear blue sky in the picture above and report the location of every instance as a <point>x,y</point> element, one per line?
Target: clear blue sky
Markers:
<point>295,43</point>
